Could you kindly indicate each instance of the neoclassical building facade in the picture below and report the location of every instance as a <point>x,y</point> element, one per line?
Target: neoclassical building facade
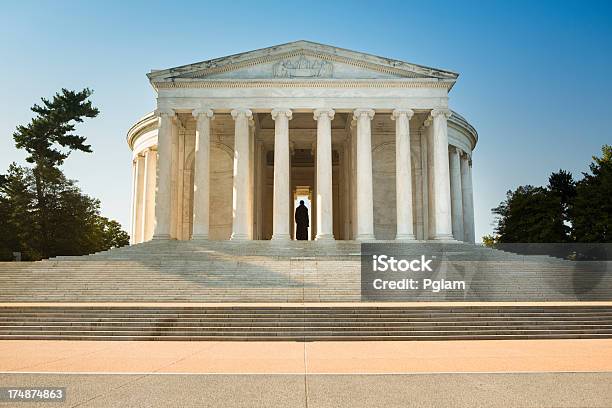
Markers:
<point>369,141</point>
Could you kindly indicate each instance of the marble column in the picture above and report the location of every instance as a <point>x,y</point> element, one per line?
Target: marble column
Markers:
<point>148,212</point>
<point>365,198</point>
<point>163,198</point>
<point>346,182</point>
<point>175,215</point>
<point>353,141</point>
<point>325,223</point>
<point>424,182</point>
<point>251,203</point>
<point>240,200</point>
<point>441,184</point>
<point>281,230</point>
<point>468,198</point>
<point>456,195</point>
<point>133,209</point>
<point>403,175</point>
<point>138,198</point>
<point>431,210</point>
<point>201,178</point>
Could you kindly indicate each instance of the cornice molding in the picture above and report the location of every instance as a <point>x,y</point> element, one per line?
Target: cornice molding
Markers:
<point>144,124</point>
<point>330,83</point>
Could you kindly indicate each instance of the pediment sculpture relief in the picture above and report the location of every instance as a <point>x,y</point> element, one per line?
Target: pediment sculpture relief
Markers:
<point>303,68</point>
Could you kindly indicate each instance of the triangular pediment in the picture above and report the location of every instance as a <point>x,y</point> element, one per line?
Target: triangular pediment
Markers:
<point>299,60</point>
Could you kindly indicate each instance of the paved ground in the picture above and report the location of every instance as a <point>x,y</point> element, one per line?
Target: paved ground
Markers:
<point>335,391</point>
<point>532,373</point>
<point>306,358</point>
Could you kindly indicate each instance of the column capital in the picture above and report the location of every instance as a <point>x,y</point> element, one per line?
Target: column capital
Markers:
<point>236,113</point>
<point>357,113</point>
<point>399,112</point>
<point>441,111</point>
<point>467,156</point>
<point>318,112</point>
<point>205,112</point>
<point>284,112</point>
<point>164,112</point>
<point>455,149</point>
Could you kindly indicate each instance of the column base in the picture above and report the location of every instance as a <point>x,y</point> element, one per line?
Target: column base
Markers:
<point>199,237</point>
<point>161,237</point>
<point>405,237</point>
<point>325,237</point>
<point>281,237</point>
<point>239,237</point>
<point>365,237</point>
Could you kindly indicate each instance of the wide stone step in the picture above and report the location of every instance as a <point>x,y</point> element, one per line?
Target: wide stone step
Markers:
<point>285,327</point>
<point>476,332</point>
<point>319,337</point>
<point>301,323</point>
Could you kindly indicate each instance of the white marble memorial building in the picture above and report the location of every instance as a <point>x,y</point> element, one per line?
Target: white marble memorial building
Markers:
<point>235,141</point>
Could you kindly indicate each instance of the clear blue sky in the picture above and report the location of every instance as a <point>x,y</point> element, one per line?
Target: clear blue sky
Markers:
<point>534,75</point>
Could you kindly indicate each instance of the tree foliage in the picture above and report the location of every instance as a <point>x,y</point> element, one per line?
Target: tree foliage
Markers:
<point>530,214</point>
<point>53,128</point>
<point>564,211</point>
<point>592,209</point>
<point>44,214</point>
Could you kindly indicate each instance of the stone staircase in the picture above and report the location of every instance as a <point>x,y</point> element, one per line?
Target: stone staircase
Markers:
<point>296,271</point>
<point>305,323</point>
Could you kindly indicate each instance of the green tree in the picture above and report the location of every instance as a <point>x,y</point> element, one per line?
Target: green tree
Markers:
<point>48,139</point>
<point>42,213</point>
<point>591,215</point>
<point>18,232</point>
<point>113,236</point>
<point>530,214</point>
<point>564,211</point>
<point>562,184</point>
<point>75,226</point>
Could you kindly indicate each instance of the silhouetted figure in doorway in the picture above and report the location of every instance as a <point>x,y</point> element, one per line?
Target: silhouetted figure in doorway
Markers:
<point>301,219</point>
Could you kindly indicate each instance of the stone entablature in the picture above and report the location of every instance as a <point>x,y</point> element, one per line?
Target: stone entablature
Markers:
<point>369,133</point>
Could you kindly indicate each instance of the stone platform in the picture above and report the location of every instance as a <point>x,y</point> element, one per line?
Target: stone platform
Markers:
<point>293,271</point>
